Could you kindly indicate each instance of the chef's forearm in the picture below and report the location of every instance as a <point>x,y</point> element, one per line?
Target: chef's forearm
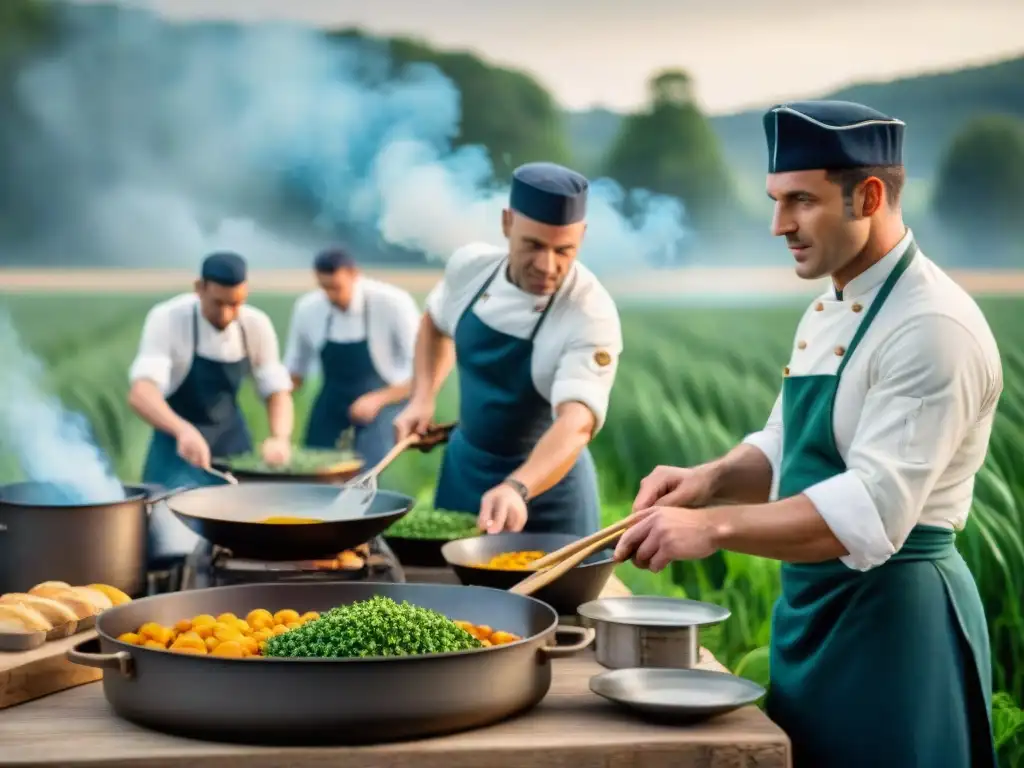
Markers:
<point>742,476</point>
<point>395,393</point>
<point>281,414</point>
<point>790,530</point>
<point>434,357</point>
<point>146,399</point>
<point>557,450</point>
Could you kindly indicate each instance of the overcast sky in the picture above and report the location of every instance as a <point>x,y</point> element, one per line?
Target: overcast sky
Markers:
<point>740,52</point>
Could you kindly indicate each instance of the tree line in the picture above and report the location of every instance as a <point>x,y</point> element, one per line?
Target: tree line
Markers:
<point>667,146</point>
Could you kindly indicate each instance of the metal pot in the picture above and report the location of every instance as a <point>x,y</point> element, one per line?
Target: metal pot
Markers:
<point>42,539</point>
<point>635,632</point>
<point>338,701</point>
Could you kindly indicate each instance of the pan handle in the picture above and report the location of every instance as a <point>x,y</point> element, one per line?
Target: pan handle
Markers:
<point>586,634</point>
<point>165,495</point>
<point>83,655</point>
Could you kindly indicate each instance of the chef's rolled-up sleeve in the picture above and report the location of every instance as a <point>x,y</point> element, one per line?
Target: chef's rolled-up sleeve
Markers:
<point>405,323</point>
<point>299,353</point>
<point>934,383</point>
<point>769,442</point>
<point>153,361</point>
<point>586,370</point>
<point>437,300</point>
<point>270,373</point>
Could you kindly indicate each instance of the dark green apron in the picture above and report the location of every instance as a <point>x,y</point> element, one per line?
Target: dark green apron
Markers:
<point>887,668</point>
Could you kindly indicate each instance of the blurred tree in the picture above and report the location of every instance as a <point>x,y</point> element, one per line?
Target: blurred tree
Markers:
<point>979,190</point>
<point>670,148</point>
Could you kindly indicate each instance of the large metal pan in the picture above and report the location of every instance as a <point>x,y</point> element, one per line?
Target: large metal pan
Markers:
<point>46,536</point>
<point>565,594</point>
<point>329,476</point>
<point>229,516</point>
<point>339,701</point>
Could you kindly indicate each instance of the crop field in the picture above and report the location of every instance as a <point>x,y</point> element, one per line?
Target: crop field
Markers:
<point>692,382</point>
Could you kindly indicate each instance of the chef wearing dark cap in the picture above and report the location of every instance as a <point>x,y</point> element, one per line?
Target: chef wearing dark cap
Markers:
<point>865,470</point>
<point>362,332</point>
<point>195,351</point>
<point>536,339</point>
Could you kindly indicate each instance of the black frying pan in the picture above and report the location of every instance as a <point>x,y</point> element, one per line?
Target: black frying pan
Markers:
<point>229,515</point>
<point>565,594</point>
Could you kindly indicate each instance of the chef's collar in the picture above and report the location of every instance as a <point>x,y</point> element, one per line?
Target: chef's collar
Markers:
<point>358,301</point>
<point>874,275</point>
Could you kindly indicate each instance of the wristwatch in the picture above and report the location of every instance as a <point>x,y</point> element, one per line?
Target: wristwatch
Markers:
<point>518,487</point>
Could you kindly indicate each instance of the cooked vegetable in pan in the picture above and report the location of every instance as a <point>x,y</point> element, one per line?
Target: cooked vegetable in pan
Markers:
<point>375,627</point>
<point>304,461</point>
<point>428,523</point>
<point>290,520</point>
<point>512,561</point>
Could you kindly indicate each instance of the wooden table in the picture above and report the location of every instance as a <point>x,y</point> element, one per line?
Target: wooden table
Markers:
<point>571,727</point>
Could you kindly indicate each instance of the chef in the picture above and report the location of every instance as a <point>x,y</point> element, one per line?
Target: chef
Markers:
<point>195,351</point>
<point>863,473</point>
<point>536,339</point>
<point>362,332</point>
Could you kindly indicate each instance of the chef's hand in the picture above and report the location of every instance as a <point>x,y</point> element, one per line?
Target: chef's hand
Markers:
<point>193,448</point>
<point>501,509</point>
<point>664,534</point>
<point>277,451</point>
<point>365,409</point>
<point>415,418</point>
<point>674,487</point>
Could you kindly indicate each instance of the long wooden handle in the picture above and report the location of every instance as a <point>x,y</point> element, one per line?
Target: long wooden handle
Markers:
<point>540,579</point>
<point>570,549</point>
<point>393,454</point>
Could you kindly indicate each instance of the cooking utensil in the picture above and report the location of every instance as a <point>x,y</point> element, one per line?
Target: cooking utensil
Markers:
<point>357,495</point>
<point>609,533</point>
<point>227,477</point>
<point>577,585</point>
<point>649,631</point>
<point>540,579</point>
<point>435,435</point>
<point>677,695</point>
<point>229,516</point>
<point>340,701</point>
<point>46,536</point>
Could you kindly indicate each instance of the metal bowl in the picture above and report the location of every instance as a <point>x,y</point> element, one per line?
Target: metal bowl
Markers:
<point>565,594</point>
<point>634,632</point>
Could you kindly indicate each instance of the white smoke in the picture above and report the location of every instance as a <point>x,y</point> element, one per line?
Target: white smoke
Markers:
<point>165,131</point>
<point>50,443</point>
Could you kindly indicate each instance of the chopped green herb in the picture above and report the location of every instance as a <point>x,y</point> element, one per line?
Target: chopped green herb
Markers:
<point>375,627</point>
<point>427,523</point>
<point>304,461</point>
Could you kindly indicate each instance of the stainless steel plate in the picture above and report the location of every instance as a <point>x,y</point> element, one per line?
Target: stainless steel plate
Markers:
<point>676,694</point>
<point>653,611</point>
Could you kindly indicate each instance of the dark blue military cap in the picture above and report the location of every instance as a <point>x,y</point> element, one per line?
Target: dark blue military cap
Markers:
<point>549,193</point>
<point>830,135</point>
<point>333,259</point>
<point>224,268</point>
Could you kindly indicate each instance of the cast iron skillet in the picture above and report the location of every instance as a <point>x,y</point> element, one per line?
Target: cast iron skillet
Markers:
<point>336,701</point>
<point>565,594</point>
<point>229,515</point>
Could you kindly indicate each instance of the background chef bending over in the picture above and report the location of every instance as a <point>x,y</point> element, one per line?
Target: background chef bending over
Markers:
<point>537,340</point>
<point>361,334</point>
<point>194,353</point>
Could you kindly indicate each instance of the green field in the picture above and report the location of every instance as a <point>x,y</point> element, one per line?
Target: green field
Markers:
<point>691,383</point>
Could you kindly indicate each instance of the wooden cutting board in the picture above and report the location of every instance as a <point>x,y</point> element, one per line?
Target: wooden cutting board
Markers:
<point>44,670</point>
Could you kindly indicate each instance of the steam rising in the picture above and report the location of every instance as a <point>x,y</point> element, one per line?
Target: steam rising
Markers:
<point>51,444</point>
<point>162,132</point>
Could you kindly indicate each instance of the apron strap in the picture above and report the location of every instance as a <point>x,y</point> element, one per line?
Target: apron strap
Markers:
<point>195,330</point>
<point>487,284</point>
<point>876,305</point>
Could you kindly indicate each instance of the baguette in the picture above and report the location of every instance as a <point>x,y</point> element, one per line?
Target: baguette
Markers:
<point>83,608</point>
<point>52,611</point>
<point>12,627</point>
<point>30,619</point>
<point>98,600</point>
<point>49,588</point>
